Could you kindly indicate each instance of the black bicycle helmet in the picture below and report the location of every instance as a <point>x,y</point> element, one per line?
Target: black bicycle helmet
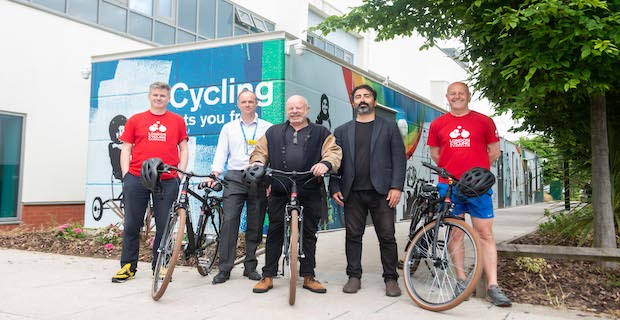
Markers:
<point>476,182</point>
<point>149,174</point>
<point>253,174</point>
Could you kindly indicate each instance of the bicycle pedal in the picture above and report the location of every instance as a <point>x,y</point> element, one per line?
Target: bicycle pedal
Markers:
<point>204,262</point>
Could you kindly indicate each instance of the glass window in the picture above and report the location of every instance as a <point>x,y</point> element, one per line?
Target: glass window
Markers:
<point>83,9</point>
<point>348,58</point>
<point>113,17</point>
<point>183,37</point>
<point>259,23</point>
<point>58,5</point>
<point>330,48</point>
<point>240,31</point>
<point>140,26</point>
<point>187,14</point>
<point>270,26</point>
<point>119,2</point>
<point>165,9</point>
<point>11,128</point>
<point>339,53</point>
<point>206,18</point>
<point>319,43</point>
<point>224,19</point>
<point>244,17</point>
<point>164,33</point>
<point>142,6</point>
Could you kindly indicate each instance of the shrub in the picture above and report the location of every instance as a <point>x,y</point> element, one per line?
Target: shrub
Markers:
<point>71,231</point>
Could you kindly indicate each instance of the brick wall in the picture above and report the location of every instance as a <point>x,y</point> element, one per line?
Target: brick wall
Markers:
<point>42,216</point>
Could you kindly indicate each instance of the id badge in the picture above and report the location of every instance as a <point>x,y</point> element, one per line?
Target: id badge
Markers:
<point>249,148</point>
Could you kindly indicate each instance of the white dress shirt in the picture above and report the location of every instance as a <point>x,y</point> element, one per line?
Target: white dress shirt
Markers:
<point>233,145</point>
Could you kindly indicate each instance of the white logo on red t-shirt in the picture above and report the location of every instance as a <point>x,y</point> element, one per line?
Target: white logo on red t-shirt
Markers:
<point>157,132</point>
<point>459,138</point>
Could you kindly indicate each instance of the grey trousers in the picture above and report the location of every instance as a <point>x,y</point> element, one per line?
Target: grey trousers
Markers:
<point>236,194</point>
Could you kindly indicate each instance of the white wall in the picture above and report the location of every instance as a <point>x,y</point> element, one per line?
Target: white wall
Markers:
<point>40,76</point>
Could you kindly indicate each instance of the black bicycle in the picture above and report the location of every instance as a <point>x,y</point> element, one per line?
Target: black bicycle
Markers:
<point>423,207</point>
<point>202,244</point>
<point>294,218</point>
<point>443,262</point>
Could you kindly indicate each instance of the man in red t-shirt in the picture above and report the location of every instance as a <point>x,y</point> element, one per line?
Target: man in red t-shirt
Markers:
<point>153,133</point>
<point>460,140</point>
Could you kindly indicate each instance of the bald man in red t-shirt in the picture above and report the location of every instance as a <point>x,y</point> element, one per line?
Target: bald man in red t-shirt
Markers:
<point>460,140</point>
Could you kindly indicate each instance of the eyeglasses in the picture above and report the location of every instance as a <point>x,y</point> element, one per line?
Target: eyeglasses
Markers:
<point>295,138</point>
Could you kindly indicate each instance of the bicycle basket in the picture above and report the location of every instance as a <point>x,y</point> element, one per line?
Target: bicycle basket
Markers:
<point>476,182</point>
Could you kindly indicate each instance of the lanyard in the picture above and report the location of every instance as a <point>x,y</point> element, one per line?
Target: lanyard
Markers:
<point>243,131</point>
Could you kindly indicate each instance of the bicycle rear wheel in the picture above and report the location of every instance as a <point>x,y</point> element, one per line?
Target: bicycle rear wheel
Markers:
<point>208,248</point>
<point>442,283</point>
<point>169,251</point>
<point>294,248</point>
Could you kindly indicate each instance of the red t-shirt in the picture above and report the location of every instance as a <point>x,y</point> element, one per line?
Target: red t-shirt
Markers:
<point>154,136</point>
<point>462,141</point>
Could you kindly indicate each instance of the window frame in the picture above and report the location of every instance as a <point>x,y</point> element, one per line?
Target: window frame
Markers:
<point>18,211</point>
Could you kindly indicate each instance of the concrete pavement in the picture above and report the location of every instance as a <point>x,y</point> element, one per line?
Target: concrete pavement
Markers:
<point>48,286</point>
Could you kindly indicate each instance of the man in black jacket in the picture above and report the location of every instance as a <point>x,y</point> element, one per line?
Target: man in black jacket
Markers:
<point>373,176</point>
<point>296,145</point>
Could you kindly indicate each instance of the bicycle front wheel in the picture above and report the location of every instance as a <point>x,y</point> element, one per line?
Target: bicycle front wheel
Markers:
<point>294,247</point>
<point>441,280</point>
<point>168,253</point>
<point>208,247</point>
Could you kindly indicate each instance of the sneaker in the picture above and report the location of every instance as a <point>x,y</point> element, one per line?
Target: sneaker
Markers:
<point>124,274</point>
<point>460,287</point>
<point>392,289</point>
<point>313,285</point>
<point>264,285</point>
<point>352,285</point>
<point>497,296</point>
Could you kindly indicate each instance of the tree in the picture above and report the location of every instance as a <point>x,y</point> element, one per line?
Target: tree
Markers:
<point>541,57</point>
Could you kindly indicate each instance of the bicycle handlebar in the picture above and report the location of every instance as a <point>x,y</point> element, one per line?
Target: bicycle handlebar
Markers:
<point>271,172</point>
<point>189,174</point>
<point>440,171</point>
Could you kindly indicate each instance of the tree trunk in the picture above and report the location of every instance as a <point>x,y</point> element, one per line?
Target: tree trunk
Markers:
<point>566,186</point>
<point>603,224</point>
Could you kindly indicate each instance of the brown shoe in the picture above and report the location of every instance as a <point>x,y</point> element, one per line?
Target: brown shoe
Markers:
<point>263,285</point>
<point>392,289</point>
<point>313,285</point>
<point>352,285</point>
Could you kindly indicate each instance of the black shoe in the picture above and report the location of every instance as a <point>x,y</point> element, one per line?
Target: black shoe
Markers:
<point>221,277</point>
<point>252,274</point>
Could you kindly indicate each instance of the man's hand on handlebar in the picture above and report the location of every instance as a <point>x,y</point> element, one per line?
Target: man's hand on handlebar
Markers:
<point>319,169</point>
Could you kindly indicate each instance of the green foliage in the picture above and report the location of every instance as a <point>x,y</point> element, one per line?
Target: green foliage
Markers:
<point>531,265</point>
<point>562,226</point>
<point>70,231</point>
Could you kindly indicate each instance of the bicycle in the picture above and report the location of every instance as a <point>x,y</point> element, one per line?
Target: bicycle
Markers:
<point>450,251</point>
<point>294,217</point>
<point>423,207</point>
<point>202,244</point>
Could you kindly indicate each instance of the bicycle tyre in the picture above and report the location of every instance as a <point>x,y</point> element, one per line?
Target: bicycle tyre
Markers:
<point>293,263</point>
<point>434,287</point>
<point>97,208</point>
<point>208,248</point>
<point>169,251</point>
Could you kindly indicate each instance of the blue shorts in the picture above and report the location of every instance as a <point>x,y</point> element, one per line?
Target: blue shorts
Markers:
<point>479,207</point>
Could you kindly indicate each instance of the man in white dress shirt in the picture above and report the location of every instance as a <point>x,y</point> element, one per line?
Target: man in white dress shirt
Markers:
<point>236,143</point>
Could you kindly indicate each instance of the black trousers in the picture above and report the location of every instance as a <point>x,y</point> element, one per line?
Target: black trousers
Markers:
<point>236,194</point>
<point>356,208</point>
<point>275,236</point>
<point>136,199</point>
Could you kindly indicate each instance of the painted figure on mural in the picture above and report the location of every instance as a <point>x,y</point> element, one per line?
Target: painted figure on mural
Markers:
<point>459,141</point>
<point>116,128</point>
<point>323,117</point>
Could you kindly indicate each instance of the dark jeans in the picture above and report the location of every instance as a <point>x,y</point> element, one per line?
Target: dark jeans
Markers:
<point>356,209</point>
<point>136,198</point>
<point>275,236</point>
<point>236,194</point>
